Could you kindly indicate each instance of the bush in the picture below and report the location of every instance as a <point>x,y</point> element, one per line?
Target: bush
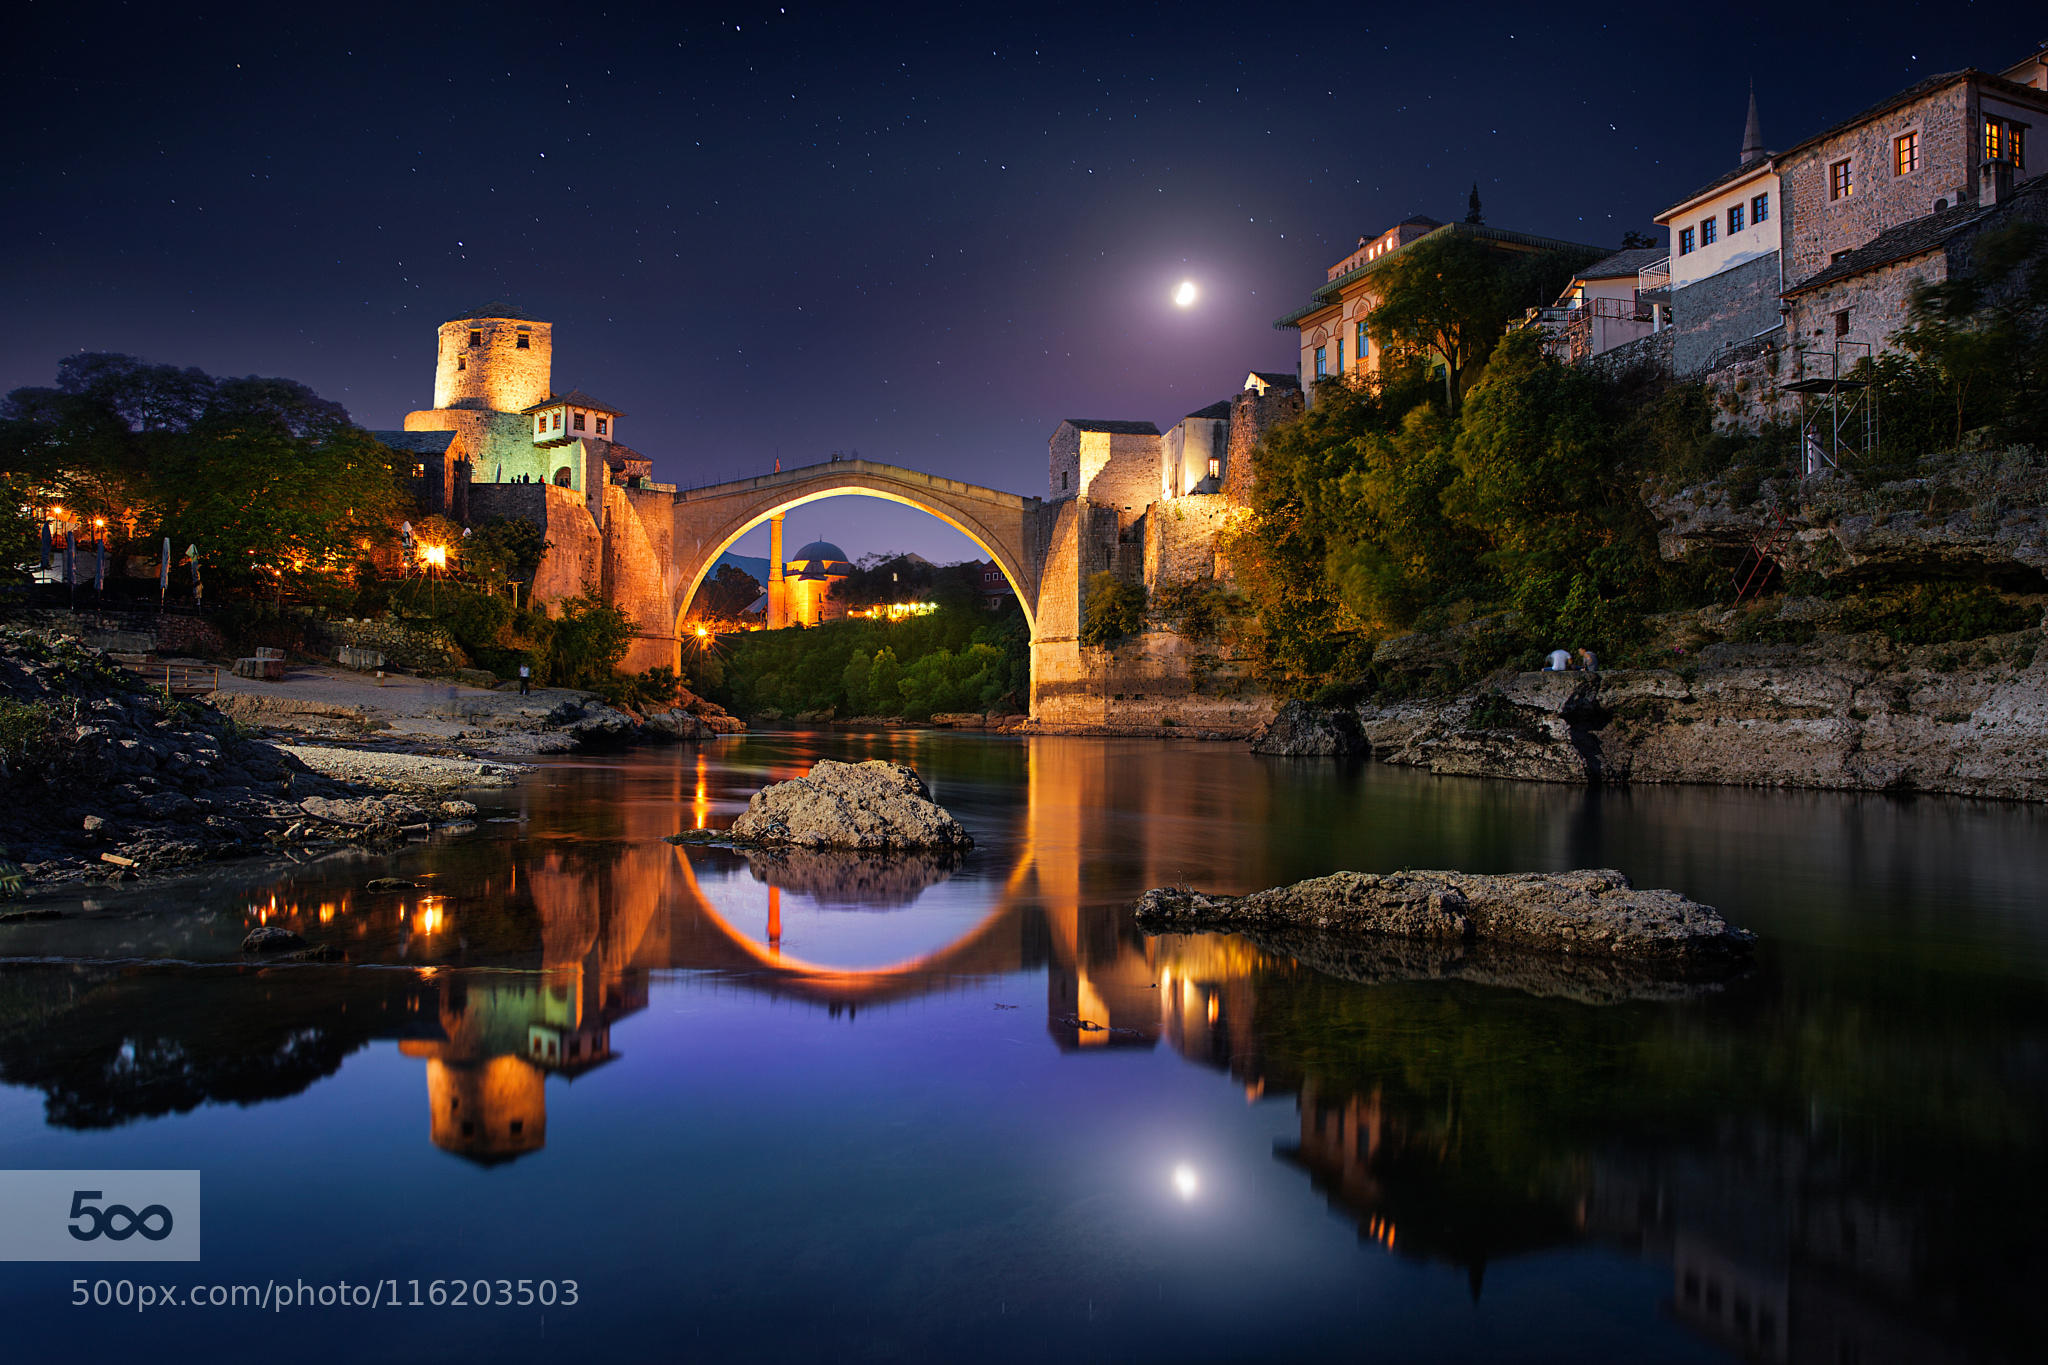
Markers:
<point>585,644</point>
<point>1114,610</point>
<point>28,735</point>
<point>1939,614</point>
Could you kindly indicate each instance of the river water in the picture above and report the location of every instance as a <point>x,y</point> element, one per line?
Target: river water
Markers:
<point>819,1108</point>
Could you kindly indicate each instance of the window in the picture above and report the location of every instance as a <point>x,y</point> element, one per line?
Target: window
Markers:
<point>1215,468</point>
<point>1063,480</point>
<point>1841,183</point>
<point>1322,364</point>
<point>1709,229</point>
<point>601,427</point>
<point>476,338</point>
<point>1842,323</point>
<point>1760,209</point>
<point>419,471</point>
<point>1906,153</point>
<point>462,362</point>
<point>521,343</point>
<point>540,425</point>
<point>2005,140</point>
<point>1364,344</point>
<point>1734,219</point>
<point>578,423</point>
<point>558,421</point>
<point>1685,241</point>
<point>1340,355</point>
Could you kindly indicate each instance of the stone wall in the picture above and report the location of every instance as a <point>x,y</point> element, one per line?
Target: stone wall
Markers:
<point>1180,538</point>
<point>1120,471</point>
<point>1815,228</point>
<point>1251,416</point>
<point>1877,303</point>
<point>1722,312</point>
<point>574,563</point>
<point>1159,678</point>
<point>497,374</point>
<point>639,558</point>
<point>402,646</point>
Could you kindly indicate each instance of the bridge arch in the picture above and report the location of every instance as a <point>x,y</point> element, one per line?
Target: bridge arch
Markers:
<point>1004,525</point>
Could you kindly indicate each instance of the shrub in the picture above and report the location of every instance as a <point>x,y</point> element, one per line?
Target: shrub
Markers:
<point>1939,614</point>
<point>1114,610</point>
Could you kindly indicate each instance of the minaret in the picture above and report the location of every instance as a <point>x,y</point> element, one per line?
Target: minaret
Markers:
<point>1752,132</point>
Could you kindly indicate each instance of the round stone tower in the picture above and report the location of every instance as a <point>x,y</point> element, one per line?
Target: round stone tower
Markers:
<point>494,360</point>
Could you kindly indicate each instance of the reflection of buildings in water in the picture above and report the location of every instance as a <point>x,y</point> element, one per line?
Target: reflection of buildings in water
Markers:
<point>851,880</point>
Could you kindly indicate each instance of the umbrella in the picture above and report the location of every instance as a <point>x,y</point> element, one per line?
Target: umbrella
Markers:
<point>71,558</point>
<point>99,576</point>
<point>46,546</point>
<point>163,575</point>
<point>192,553</point>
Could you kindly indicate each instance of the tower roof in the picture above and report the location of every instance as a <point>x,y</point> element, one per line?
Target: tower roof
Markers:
<point>496,308</point>
<point>1752,132</point>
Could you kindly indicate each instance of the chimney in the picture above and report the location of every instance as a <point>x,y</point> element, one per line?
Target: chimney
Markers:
<point>1752,132</point>
<point>1995,183</point>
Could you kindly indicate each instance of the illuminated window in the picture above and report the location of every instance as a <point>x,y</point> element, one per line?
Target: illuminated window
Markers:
<point>1364,344</point>
<point>1322,364</point>
<point>578,423</point>
<point>1841,182</point>
<point>476,338</point>
<point>558,421</point>
<point>521,343</point>
<point>2005,140</point>
<point>540,425</point>
<point>1760,208</point>
<point>419,471</point>
<point>1215,467</point>
<point>601,426</point>
<point>1710,228</point>
<point>1906,153</point>
<point>1685,241</point>
<point>1734,219</point>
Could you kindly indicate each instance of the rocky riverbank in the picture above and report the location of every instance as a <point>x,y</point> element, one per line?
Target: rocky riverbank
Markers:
<point>875,806</point>
<point>109,779</point>
<point>1595,914</point>
<point>1847,712</point>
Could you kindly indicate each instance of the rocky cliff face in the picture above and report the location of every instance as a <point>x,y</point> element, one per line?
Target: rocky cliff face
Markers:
<point>1829,716</point>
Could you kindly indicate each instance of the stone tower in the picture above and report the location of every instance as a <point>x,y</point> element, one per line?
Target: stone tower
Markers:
<point>493,360</point>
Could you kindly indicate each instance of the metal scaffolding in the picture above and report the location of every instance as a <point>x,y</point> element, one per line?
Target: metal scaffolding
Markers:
<point>1837,407</point>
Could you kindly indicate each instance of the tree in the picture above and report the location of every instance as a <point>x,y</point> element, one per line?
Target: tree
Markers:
<point>729,593</point>
<point>587,643</point>
<point>1635,241</point>
<point>1451,295</point>
<point>504,550</point>
<point>1472,214</point>
<point>1114,609</point>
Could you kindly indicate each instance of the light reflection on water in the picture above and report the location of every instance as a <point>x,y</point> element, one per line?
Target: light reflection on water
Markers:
<point>933,1109</point>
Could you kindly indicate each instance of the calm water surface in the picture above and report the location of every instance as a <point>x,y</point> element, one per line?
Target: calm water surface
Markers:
<point>819,1108</point>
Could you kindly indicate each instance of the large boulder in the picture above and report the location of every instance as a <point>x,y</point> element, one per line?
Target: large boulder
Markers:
<point>1299,730</point>
<point>1593,912</point>
<point>871,805</point>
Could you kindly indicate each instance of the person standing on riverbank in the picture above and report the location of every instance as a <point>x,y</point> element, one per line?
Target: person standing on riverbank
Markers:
<point>525,679</point>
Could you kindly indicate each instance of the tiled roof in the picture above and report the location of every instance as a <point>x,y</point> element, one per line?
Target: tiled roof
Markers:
<point>1907,240</point>
<point>1279,379</point>
<point>418,442</point>
<point>1626,262</point>
<point>1113,428</point>
<point>1216,411</point>
<point>1748,167</point>
<point>575,398</point>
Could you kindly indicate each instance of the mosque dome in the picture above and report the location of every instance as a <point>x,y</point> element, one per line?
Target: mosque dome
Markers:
<point>822,555</point>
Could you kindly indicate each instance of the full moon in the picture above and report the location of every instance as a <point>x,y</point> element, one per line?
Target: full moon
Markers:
<point>1185,1182</point>
<point>1185,295</point>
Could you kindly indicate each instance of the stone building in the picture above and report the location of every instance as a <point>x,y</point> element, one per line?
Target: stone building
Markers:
<point>1334,328</point>
<point>810,577</point>
<point>1724,270</point>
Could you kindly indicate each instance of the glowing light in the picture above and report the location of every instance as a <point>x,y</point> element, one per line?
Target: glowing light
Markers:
<point>435,555</point>
<point>1186,1183</point>
<point>1184,297</point>
<point>895,611</point>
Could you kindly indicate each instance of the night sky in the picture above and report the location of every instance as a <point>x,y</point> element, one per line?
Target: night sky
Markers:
<point>926,235</point>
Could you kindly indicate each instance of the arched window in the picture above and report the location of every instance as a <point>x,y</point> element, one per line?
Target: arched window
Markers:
<point>562,477</point>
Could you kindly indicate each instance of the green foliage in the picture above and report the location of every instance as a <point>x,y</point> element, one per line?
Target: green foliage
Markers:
<point>504,550</point>
<point>1113,610</point>
<point>585,644</point>
<point>1939,613</point>
<point>955,659</point>
<point>1196,605</point>
<point>28,735</point>
<point>727,594</point>
<point>1452,295</point>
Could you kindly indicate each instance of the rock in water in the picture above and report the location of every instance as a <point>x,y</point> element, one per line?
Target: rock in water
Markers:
<point>1303,731</point>
<point>1583,912</point>
<point>271,939</point>
<point>871,805</point>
